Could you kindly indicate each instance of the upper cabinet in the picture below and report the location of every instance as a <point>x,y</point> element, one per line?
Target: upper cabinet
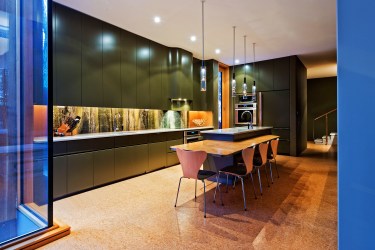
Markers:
<point>92,62</point>
<point>66,56</point>
<point>265,75</point>
<point>128,69</point>
<point>143,73</point>
<point>281,73</point>
<point>158,67</point>
<point>111,65</point>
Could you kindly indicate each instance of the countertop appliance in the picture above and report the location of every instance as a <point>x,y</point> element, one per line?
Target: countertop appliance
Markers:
<point>244,112</point>
<point>192,136</point>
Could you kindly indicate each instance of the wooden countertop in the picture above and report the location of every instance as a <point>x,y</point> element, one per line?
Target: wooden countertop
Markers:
<point>236,130</point>
<point>224,148</point>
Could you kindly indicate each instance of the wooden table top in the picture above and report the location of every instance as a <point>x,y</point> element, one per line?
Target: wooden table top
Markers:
<point>224,148</point>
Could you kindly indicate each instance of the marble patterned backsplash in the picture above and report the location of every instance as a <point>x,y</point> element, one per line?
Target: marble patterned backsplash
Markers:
<point>96,120</point>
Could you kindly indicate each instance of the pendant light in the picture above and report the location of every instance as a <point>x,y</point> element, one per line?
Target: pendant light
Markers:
<point>203,68</point>
<point>254,88</point>
<point>244,85</point>
<point>234,74</point>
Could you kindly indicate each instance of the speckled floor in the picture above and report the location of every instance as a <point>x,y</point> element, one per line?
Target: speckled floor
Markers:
<point>298,211</point>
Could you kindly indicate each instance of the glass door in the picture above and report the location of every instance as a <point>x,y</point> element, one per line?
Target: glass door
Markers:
<point>25,200</point>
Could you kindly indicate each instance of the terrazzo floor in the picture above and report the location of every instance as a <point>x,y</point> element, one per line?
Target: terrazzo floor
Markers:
<point>298,211</point>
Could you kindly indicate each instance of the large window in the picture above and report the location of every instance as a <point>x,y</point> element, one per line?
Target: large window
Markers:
<point>25,204</point>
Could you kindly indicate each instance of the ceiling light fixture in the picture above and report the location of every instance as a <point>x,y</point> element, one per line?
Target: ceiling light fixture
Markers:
<point>157,19</point>
<point>217,51</point>
<point>193,38</point>
<point>237,61</point>
<point>203,68</point>
<point>234,74</point>
<point>254,86</point>
<point>244,85</point>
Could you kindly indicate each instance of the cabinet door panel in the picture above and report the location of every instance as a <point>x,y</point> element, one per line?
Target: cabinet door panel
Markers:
<point>104,166</point>
<point>281,74</point>
<point>157,156</point>
<point>130,161</point>
<point>80,172</point>
<point>59,176</point>
<point>92,63</point>
<point>111,66</point>
<point>128,69</point>
<point>276,109</point>
<point>265,74</point>
<point>143,73</point>
<point>67,57</point>
<point>156,66</point>
<point>186,81</point>
<point>173,143</point>
<point>172,159</point>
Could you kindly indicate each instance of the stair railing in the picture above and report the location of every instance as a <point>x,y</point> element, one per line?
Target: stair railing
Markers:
<point>321,116</point>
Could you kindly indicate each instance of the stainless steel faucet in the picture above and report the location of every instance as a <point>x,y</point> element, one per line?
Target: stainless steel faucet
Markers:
<point>247,115</point>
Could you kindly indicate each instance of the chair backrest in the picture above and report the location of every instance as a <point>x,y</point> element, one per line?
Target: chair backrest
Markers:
<point>274,144</point>
<point>191,161</point>
<point>247,156</point>
<point>263,147</point>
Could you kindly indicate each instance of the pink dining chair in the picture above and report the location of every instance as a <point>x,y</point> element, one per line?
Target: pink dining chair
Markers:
<point>242,170</point>
<point>272,157</point>
<point>191,162</point>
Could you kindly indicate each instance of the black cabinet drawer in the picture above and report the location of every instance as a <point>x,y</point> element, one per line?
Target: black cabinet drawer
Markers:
<point>157,137</point>
<point>175,135</point>
<point>130,140</point>
<point>59,148</point>
<point>86,145</point>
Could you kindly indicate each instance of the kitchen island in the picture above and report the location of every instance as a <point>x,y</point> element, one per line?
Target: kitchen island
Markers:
<point>236,134</point>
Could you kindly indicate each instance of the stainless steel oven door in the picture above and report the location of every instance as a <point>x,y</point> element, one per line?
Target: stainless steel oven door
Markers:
<point>239,115</point>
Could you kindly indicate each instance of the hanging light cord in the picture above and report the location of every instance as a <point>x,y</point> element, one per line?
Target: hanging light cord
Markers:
<point>254,61</point>
<point>244,38</point>
<point>234,45</point>
<point>203,32</point>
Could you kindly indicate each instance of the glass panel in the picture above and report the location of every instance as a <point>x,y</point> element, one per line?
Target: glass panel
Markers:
<point>24,202</point>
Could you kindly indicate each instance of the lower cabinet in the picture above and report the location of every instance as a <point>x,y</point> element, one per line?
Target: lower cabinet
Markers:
<point>60,164</point>
<point>130,161</point>
<point>157,156</point>
<point>80,174</point>
<point>104,166</point>
<point>172,158</point>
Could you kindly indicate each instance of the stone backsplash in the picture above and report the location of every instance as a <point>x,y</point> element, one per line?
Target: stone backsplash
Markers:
<point>95,120</point>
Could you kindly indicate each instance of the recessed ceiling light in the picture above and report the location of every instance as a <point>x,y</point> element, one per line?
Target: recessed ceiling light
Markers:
<point>193,38</point>
<point>237,61</point>
<point>217,51</point>
<point>157,19</point>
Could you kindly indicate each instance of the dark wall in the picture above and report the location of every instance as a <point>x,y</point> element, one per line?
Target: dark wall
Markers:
<point>321,98</point>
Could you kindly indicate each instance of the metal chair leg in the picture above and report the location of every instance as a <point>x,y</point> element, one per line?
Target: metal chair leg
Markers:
<point>195,195</point>
<point>278,176</point>
<point>227,182</point>
<point>260,182</point>
<point>265,170</point>
<point>243,193</point>
<point>234,182</point>
<point>269,163</point>
<point>178,190</point>
<point>252,181</point>
<point>217,185</point>
<point>204,190</point>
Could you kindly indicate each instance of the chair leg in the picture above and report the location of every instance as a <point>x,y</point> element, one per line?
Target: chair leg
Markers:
<point>278,176</point>
<point>260,183</point>
<point>195,195</point>
<point>234,182</point>
<point>265,170</point>
<point>269,163</point>
<point>252,181</point>
<point>218,187</point>
<point>243,193</point>
<point>227,182</point>
<point>178,190</point>
<point>204,190</point>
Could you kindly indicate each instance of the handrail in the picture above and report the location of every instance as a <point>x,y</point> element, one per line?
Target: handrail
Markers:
<point>326,116</point>
<point>327,113</point>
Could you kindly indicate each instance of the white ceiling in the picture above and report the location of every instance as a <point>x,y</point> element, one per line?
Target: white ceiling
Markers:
<point>279,28</point>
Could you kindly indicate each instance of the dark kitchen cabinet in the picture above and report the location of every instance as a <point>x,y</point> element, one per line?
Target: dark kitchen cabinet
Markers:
<point>104,166</point>
<point>60,164</point>
<point>186,75</point>
<point>276,109</point>
<point>157,156</point>
<point>265,75</point>
<point>111,66</point>
<point>143,73</point>
<point>130,161</point>
<point>128,69</point>
<point>281,74</point>
<point>92,62</point>
<point>80,174</point>
<point>157,63</point>
<point>174,71</point>
<point>172,158</point>
<point>66,56</point>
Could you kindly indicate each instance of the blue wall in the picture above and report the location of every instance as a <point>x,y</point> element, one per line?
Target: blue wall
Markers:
<point>356,126</point>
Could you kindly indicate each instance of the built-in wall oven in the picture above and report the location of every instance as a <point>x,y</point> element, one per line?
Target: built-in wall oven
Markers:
<point>245,113</point>
<point>192,136</point>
